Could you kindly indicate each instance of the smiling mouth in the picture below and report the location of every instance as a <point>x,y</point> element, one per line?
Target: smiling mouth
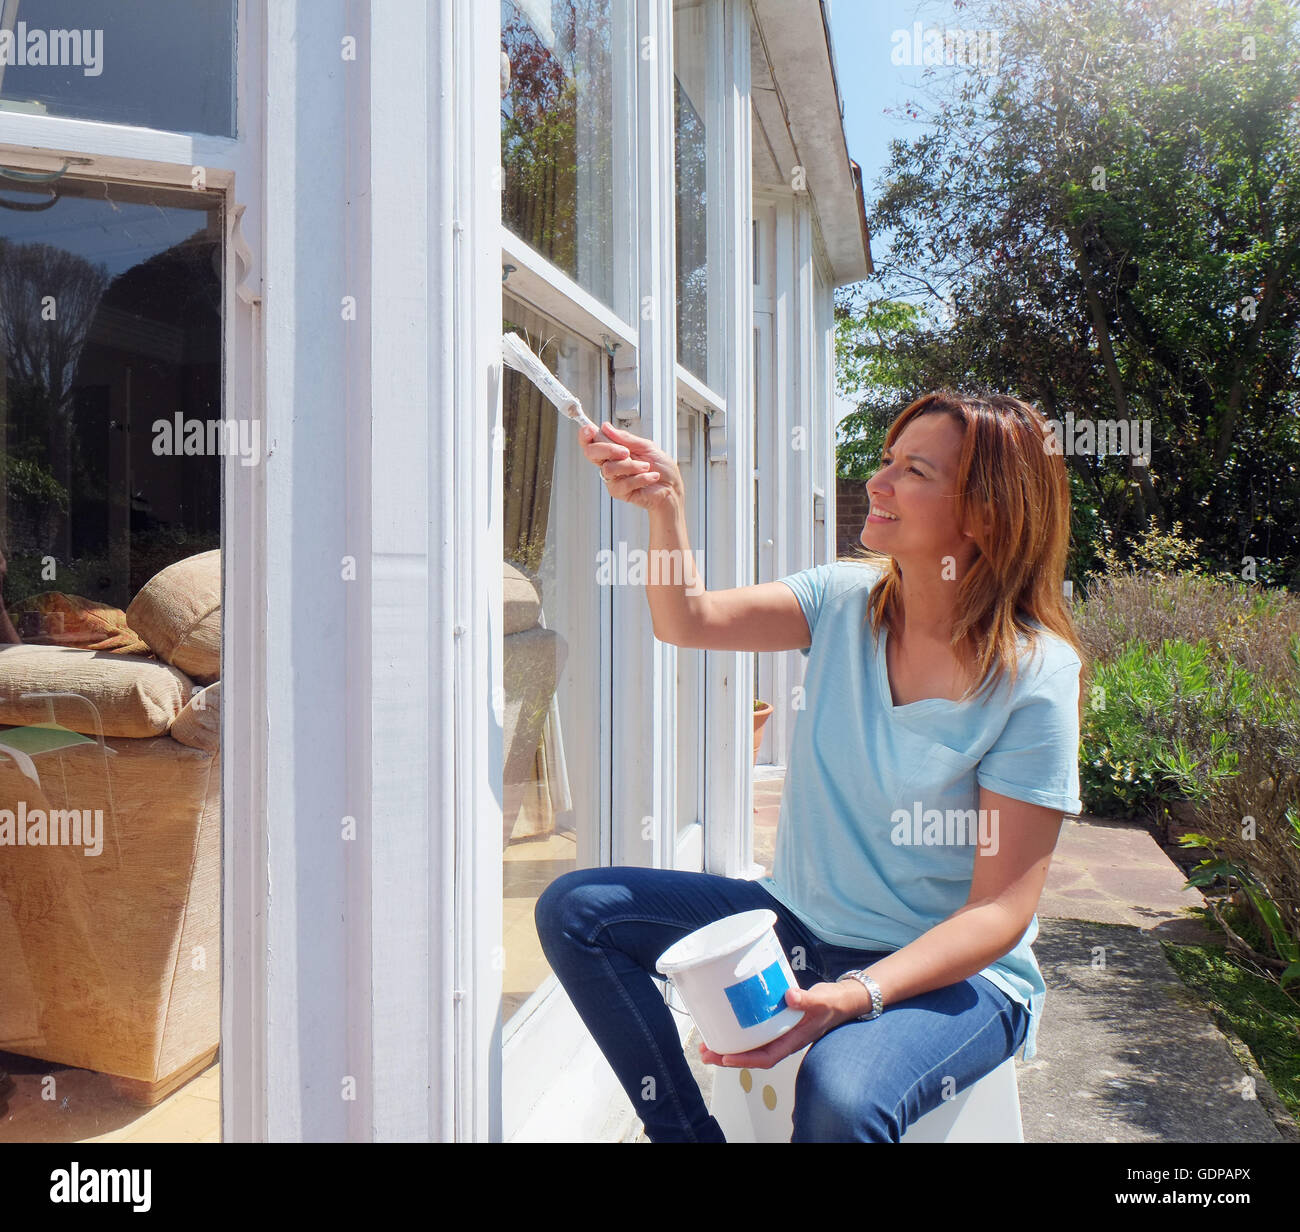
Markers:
<point>882,515</point>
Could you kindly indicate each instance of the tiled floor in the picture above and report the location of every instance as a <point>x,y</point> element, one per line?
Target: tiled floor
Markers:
<point>50,1104</point>
<point>530,866</point>
<point>767,808</point>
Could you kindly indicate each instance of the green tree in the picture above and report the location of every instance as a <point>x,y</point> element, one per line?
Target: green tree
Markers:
<point>1106,222</point>
<point>872,369</point>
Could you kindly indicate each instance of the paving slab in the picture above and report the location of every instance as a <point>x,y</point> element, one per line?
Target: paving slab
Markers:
<point>1114,872</point>
<point>1127,1053</point>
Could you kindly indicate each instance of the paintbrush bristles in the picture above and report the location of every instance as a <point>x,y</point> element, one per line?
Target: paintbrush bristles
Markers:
<point>518,355</point>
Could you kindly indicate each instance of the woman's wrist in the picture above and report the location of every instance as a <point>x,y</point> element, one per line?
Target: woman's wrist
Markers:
<point>859,995</point>
<point>666,512</point>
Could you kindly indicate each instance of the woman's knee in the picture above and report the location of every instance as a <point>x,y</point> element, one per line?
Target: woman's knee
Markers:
<point>564,902</point>
<point>833,1104</point>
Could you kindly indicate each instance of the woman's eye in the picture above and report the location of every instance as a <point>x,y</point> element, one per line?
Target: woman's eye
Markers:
<point>886,461</point>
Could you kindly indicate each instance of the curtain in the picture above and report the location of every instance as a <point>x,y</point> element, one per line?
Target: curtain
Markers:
<point>531,426</point>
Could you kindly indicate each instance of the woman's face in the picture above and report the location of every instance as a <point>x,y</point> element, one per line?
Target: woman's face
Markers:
<point>917,484</point>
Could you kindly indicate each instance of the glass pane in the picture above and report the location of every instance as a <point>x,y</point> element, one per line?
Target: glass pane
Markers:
<point>552,643</point>
<point>557,123</point>
<point>692,91</point>
<point>110,806</point>
<point>151,63</point>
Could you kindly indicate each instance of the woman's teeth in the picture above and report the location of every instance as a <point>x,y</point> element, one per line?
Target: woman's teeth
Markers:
<point>879,513</point>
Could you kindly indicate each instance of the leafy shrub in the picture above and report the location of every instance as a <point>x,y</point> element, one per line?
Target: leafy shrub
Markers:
<point>1155,551</point>
<point>1248,800</point>
<point>32,485</point>
<point>1243,624</point>
<point>1195,696</point>
<point>1139,707</point>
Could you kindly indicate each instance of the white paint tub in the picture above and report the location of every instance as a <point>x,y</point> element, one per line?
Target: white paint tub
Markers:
<point>733,975</point>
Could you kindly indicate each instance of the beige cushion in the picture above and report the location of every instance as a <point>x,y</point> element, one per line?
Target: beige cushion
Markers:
<point>178,613</point>
<point>199,724</point>
<point>521,598</point>
<point>133,696</point>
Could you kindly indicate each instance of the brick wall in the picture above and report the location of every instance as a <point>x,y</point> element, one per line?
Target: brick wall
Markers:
<point>850,513</point>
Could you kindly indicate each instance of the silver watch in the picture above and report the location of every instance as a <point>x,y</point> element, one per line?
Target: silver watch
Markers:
<point>877,1001</point>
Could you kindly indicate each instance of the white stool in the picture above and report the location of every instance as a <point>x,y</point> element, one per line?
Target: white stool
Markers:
<point>757,1105</point>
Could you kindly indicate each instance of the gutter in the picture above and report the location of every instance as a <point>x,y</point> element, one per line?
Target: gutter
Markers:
<point>854,169</point>
<point>862,214</point>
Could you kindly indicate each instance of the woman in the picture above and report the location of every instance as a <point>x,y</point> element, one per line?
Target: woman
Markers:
<point>923,797</point>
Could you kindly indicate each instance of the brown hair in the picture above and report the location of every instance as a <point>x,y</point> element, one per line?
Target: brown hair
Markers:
<point>1013,491</point>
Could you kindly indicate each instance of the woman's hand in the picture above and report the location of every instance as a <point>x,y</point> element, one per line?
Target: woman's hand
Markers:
<point>825,1007</point>
<point>634,469</point>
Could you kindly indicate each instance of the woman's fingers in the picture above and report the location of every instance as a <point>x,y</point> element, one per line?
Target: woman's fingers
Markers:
<point>620,436</point>
<point>636,445</point>
<point>599,451</point>
<point>626,471</point>
<point>623,468</point>
<point>623,488</point>
<point>613,461</point>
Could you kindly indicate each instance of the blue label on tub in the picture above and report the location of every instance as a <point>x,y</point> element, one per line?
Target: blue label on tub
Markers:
<point>760,997</point>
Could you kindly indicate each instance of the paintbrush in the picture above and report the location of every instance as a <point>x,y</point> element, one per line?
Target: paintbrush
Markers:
<point>522,358</point>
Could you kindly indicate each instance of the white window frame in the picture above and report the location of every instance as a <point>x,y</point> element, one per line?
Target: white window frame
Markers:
<point>688,852</point>
<point>789,493</point>
<point>698,396</point>
<point>553,1074</point>
<point>720,72</point>
<point>231,166</point>
<point>529,276</point>
<point>577,1096</point>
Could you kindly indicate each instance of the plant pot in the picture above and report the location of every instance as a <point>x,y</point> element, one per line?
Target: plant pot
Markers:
<point>761,717</point>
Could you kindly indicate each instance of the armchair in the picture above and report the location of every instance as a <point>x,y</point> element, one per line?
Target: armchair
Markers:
<point>110,959</point>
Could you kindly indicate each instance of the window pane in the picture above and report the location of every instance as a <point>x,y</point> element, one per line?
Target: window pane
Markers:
<point>151,63</point>
<point>552,641</point>
<point>557,124</point>
<point>110,326</point>
<point>693,94</point>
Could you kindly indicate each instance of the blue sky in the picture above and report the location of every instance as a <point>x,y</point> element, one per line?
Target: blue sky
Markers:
<point>862,34</point>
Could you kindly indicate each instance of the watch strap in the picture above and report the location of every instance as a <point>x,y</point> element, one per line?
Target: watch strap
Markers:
<point>877,1001</point>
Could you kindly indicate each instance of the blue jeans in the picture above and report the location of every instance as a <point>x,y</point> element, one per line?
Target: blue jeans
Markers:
<point>602,930</point>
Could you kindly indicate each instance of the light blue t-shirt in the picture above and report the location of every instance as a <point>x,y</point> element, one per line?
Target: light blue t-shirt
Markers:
<point>859,856</point>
